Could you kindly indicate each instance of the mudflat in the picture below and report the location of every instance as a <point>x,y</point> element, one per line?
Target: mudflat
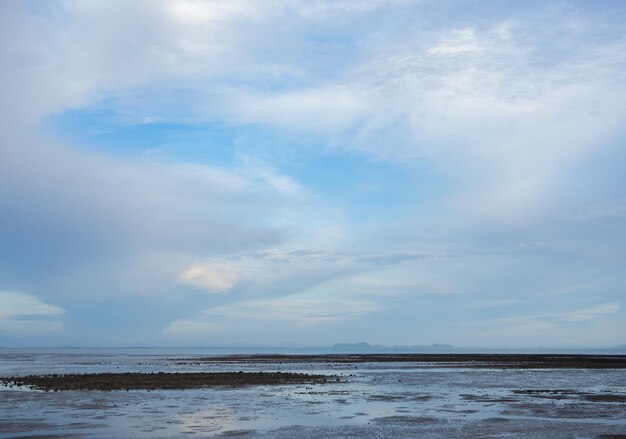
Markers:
<point>315,396</point>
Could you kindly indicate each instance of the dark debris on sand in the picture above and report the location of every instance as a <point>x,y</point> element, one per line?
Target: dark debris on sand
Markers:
<point>161,380</point>
<point>505,361</point>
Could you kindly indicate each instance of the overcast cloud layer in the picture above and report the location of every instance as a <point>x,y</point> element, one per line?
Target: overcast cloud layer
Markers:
<point>308,172</point>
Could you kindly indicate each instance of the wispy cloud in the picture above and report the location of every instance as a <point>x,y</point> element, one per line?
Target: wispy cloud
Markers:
<point>25,315</point>
<point>614,210</point>
<point>299,310</point>
<point>579,315</point>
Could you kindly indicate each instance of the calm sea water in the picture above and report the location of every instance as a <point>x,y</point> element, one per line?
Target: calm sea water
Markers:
<point>378,400</point>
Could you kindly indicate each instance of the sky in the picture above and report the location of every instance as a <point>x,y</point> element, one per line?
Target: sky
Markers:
<point>304,173</point>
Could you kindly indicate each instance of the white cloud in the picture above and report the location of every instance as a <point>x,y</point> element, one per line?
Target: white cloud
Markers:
<point>214,278</point>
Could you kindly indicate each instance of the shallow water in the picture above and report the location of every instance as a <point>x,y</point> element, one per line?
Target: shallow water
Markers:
<point>378,400</point>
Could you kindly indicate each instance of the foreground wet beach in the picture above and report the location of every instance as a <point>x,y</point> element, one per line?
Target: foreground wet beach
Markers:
<point>375,396</point>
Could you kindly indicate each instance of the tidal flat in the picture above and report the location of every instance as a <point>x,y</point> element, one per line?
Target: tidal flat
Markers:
<point>313,396</point>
